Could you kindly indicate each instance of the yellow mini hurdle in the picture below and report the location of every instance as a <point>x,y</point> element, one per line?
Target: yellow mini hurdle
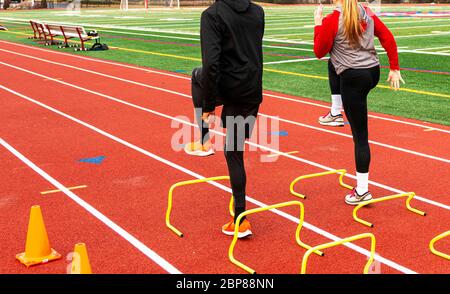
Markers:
<point>409,196</point>
<point>340,242</point>
<point>341,173</point>
<point>186,183</point>
<point>434,240</point>
<point>262,209</point>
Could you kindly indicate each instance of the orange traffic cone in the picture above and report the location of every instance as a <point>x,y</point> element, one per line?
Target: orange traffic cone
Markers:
<point>37,247</point>
<point>80,260</point>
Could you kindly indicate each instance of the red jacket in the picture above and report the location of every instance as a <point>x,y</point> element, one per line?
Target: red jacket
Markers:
<point>325,34</point>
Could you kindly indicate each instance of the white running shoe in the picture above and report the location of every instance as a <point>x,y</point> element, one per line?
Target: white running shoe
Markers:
<point>355,199</point>
<point>332,120</point>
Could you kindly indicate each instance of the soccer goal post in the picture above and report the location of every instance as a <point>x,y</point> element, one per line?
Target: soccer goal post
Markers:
<point>140,4</point>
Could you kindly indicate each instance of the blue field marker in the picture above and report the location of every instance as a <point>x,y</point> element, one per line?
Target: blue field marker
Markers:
<point>94,160</point>
<point>280,133</point>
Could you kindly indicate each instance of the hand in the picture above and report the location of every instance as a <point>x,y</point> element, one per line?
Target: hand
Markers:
<point>394,79</point>
<point>208,117</point>
<point>318,15</point>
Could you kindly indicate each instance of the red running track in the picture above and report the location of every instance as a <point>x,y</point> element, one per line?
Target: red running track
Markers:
<point>131,187</point>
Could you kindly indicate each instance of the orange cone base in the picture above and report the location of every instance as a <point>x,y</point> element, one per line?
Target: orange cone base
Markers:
<point>27,261</point>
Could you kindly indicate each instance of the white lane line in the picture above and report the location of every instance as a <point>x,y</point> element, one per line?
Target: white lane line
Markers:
<point>351,137</point>
<point>298,100</point>
<point>188,96</point>
<point>198,176</point>
<point>309,162</point>
<point>97,214</point>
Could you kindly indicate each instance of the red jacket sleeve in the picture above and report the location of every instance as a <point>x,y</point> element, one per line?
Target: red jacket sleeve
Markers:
<point>387,41</point>
<point>324,34</point>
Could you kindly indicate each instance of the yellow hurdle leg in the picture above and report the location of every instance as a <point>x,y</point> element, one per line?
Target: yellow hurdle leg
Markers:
<point>262,209</point>
<point>340,242</point>
<point>185,183</point>
<point>434,240</point>
<point>342,173</point>
<point>409,196</point>
<point>231,206</point>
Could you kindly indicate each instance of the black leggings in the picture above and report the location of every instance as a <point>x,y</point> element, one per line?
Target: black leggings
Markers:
<point>334,80</point>
<point>235,137</point>
<point>355,85</point>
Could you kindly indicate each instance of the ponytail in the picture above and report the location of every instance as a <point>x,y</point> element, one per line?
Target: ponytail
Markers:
<point>352,27</point>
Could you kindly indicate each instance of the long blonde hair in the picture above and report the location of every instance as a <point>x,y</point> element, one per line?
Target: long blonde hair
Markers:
<point>353,30</point>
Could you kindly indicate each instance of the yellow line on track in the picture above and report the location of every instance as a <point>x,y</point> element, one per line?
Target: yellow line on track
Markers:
<point>69,188</point>
<point>287,153</point>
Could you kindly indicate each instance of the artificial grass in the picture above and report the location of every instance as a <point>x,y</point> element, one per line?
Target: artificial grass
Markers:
<point>153,48</point>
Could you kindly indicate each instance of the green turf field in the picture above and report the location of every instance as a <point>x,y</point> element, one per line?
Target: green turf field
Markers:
<point>169,40</point>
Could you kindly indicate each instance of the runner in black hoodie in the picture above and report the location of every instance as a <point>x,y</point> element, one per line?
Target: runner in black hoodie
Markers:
<point>231,41</point>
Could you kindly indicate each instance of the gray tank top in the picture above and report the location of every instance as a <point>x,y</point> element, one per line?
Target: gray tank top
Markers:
<point>344,56</point>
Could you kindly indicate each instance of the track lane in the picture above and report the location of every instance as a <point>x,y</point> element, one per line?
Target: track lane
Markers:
<point>405,136</point>
<point>66,222</point>
<point>339,153</point>
<point>133,114</point>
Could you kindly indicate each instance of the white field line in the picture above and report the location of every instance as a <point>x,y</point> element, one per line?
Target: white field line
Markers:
<point>165,31</point>
<point>292,60</point>
<point>178,76</point>
<point>286,41</point>
<point>423,52</point>
<point>391,28</point>
<point>309,25</point>
<point>423,35</point>
<point>432,48</point>
<point>273,151</point>
<point>280,35</point>
<point>188,96</point>
<point>89,208</point>
<point>198,176</point>
<point>151,35</point>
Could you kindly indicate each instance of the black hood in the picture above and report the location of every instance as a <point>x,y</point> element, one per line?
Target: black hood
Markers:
<point>238,5</point>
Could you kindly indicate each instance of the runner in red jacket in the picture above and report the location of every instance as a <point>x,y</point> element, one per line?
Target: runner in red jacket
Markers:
<point>347,34</point>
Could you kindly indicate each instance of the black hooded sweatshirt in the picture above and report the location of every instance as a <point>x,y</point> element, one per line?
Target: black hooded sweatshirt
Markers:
<point>231,36</point>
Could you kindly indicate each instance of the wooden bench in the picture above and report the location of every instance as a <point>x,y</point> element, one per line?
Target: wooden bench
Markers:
<point>47,32</point>
<point>51,31</point>
<point>80,33</point>
<point>37,32</point>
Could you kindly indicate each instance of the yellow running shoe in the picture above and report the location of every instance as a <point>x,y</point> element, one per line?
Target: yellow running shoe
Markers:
<point>245,229</point>
<point>197,149</point>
